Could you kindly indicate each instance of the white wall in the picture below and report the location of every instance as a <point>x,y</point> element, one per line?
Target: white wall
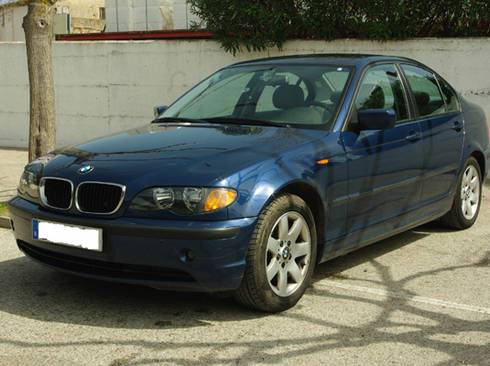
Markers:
<point>105,87</point>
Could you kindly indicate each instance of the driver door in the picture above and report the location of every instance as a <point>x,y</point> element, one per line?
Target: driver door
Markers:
<point>383,165</point>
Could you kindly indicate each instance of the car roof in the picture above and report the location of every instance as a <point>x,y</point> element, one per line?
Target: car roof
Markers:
<point>351,59</point>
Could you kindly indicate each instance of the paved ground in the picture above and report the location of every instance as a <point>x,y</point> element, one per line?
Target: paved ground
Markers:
<point>11,166</point>
<point>420,298</point>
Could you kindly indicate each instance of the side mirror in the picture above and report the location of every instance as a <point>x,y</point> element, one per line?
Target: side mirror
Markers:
<point>376,119</point>
<point>159,110</point>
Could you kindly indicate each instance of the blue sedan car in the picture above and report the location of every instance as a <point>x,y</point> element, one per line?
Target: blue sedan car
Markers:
<point>257,174</point>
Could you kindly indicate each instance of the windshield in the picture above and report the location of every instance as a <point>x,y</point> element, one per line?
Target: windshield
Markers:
<point>285,95</point>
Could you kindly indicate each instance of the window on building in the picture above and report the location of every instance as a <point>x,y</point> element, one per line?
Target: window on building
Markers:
<point>101,13</point>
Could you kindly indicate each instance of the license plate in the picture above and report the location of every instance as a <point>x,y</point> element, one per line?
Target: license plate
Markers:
<point>71,235</point>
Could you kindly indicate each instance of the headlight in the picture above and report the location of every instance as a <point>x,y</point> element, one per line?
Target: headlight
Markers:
<point>29,180</point>
<point>183,200</point>
<point>29,186</point>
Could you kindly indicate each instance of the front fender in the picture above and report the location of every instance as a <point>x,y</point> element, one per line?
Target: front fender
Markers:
<point>259,188</point>
<point>258,183</point>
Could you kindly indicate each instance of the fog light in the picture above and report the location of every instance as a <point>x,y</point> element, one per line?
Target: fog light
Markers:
<point>188,255</point>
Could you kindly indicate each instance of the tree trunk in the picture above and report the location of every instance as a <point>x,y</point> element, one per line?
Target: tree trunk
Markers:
<point>38,28</point>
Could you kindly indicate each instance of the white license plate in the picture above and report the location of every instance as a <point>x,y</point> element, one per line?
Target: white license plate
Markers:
<point>71,235</point>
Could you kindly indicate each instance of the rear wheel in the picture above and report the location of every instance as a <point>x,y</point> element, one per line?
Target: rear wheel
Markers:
<point>467,199</point>
<point>281,256</point>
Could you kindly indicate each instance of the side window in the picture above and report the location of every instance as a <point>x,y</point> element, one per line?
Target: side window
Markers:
<point>381,88</point>
<point>449,95</point>
<point>425,90</point>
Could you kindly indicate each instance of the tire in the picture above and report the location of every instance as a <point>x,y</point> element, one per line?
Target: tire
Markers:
<point>467,199</point>
<point>281,256</point>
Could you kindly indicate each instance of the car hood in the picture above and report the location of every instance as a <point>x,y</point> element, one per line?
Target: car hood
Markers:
<point>177,154</point>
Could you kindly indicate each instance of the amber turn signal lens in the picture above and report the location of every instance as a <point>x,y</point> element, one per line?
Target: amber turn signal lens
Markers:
<point>219,198</point>
<point>322,162</point>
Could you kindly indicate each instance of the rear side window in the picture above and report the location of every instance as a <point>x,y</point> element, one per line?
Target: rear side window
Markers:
<point>381,88</point>
<point>425,90</point>
<point>452,103</point>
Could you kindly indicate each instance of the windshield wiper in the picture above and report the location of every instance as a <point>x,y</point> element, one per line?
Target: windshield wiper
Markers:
<point>246,121</point>
<point>223,120</point>
<point>180,119</point>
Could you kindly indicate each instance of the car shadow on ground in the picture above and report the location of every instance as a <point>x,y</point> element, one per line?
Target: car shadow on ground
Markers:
<point>333,267</point>
<point>32,291</point>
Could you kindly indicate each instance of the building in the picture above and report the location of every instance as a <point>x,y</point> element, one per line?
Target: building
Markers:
<point>147,15</point>
<point>72,16</point>
<point>86,16</point>
<point>11,14</point>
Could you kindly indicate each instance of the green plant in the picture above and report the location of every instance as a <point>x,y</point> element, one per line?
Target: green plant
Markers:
<point>3,209</point>
<point>260,24</point>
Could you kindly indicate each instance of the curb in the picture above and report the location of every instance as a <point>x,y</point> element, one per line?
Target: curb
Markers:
<point>5,222</point>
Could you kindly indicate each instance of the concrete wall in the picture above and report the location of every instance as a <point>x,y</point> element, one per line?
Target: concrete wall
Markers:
<point>105,87</point>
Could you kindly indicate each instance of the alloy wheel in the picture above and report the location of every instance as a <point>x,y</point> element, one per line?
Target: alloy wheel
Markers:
<point>288,253</point>
<point>470,192</point>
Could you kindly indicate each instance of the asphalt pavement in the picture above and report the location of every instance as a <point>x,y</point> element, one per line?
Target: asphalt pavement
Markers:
<point>419,298</point>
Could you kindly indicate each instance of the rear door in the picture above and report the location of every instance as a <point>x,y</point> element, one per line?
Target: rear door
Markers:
<point>383,165</point>
<point>438,112</point>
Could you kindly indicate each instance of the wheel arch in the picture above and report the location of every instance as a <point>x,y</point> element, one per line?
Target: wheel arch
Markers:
<point>478,155</point>
<point>314,201</point>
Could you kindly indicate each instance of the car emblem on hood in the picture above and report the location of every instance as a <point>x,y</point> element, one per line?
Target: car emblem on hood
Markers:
<point>85,169</point>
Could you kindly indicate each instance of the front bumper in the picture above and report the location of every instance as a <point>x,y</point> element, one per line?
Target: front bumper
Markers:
<point>181,255</point>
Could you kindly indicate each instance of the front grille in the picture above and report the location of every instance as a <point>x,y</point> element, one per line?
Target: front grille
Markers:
<point>57,193</point>
<point>104,269</point>
<point>100,198</point>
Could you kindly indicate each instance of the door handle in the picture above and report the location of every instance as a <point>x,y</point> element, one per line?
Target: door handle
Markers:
<point>413,136</point>
<point>457,126</point>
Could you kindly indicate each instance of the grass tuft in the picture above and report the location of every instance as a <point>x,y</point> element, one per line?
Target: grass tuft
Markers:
<point>3,209</point>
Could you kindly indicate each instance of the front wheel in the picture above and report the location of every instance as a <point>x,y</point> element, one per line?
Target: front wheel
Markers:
<point>467,199</point>
<point>281,256</point>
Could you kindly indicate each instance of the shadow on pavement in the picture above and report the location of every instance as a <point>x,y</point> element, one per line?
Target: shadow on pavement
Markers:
<point>34,291</point>
<point>30,290</point>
